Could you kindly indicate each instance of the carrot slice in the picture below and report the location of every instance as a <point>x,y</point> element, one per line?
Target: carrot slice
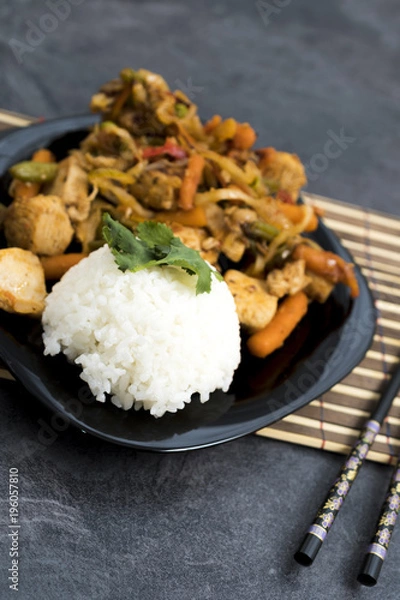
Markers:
<point>328,265</point>
<point>244,137</point>
<point>55,266</point>
<point>191,181</point>
<point>43,156</point>
<point>212,123</point>
<point>23,190</point>
<point>194,217</point>
<point>295,213</point>
<point>272,336</point>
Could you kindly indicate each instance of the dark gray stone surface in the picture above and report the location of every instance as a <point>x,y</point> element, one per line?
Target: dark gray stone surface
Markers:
<point>104,522</point>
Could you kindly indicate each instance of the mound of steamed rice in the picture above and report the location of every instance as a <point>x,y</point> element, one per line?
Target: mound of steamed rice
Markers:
<point>144,338</point>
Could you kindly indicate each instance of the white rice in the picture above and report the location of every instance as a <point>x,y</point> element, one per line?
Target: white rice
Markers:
<point>145,338</point>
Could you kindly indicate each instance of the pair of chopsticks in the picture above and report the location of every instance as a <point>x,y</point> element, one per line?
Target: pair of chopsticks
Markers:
<point>377,550</point>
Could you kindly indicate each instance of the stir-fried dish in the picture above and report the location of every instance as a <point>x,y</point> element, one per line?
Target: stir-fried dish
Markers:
<point>152,158</point>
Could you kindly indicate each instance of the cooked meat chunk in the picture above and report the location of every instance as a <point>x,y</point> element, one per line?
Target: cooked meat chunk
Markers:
<point>233,246</point>
<point>319,288</point>
<point>71,185</point>
<point>40,224</point>
<point>236,217</point>
<point>255,307</point>
<point>88,230</point>
<point>215,219</point>
<point>88,161</point>
<point>283,170</point>
<point>22,284</point>
<point>108,141</point>
<point>226,227</point>
<point>289,280</point>
<point>157,190</point>
<point>197,239</point>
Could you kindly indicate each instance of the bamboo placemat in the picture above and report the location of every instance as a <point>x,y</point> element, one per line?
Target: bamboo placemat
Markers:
<point>333,421</point>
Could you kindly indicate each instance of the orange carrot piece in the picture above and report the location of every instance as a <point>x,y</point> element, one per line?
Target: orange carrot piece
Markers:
<point>55,266</point>
<point>244,137</point>
<point>22,190</point>
<point>328,265</point>
<point>295,213</point>
<point>25,190</point>
<point>195,217</point>
<point>191,181</point>
<point>43,156</point>
<point>272,336</point>
<point>212,123</point>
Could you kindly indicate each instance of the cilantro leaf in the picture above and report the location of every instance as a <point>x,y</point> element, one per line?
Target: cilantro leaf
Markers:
<point>154,234</point>
<point>155,244</point>
<point>128,251</point>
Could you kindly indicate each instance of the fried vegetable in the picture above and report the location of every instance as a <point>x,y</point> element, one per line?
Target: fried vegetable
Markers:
<point>191,181</point>
<point>289,314</point>
<point>296,213</point>
<point>328,265</point>
<point>262,230</point>
<point>151,158</point>
<point>34,172</point>
<point>169,148</point>
<point>210,126</point>
<point>244,137</point>
<point>55,266</point>
<point>194,217</point>
<point>181,110</point>
<point>156,190</point>
<point>284,170</point>
<point>25,190</point>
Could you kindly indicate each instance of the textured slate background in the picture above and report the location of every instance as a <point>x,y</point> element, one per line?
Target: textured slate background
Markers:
<point>109,523</point>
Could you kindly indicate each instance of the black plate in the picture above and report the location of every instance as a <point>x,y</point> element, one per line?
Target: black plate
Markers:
<point>330,341</point>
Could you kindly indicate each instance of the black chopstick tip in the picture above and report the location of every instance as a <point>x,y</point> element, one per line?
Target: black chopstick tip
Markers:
<point>370,570</point>
<point>308,550</point>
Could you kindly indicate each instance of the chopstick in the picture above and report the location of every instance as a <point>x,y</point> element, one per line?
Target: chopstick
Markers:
<point>329,509</point>
<point>377,550</point>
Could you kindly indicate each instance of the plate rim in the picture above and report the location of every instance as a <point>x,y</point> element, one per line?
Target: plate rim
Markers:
<point>26,138</point>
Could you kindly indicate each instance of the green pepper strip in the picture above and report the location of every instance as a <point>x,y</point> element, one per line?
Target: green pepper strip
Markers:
<point>34,172</point>
<point>263,230</point>
<point>114,174</point>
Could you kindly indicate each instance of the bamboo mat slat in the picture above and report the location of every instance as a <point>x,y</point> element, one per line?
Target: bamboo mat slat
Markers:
<point>333,421</point>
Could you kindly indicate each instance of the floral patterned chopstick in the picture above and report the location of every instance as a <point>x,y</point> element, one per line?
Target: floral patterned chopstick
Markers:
<point>329,509</point>
<point>377,550</point>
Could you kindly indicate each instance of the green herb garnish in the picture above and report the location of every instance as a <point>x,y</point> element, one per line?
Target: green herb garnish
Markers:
<point>155,244</point>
